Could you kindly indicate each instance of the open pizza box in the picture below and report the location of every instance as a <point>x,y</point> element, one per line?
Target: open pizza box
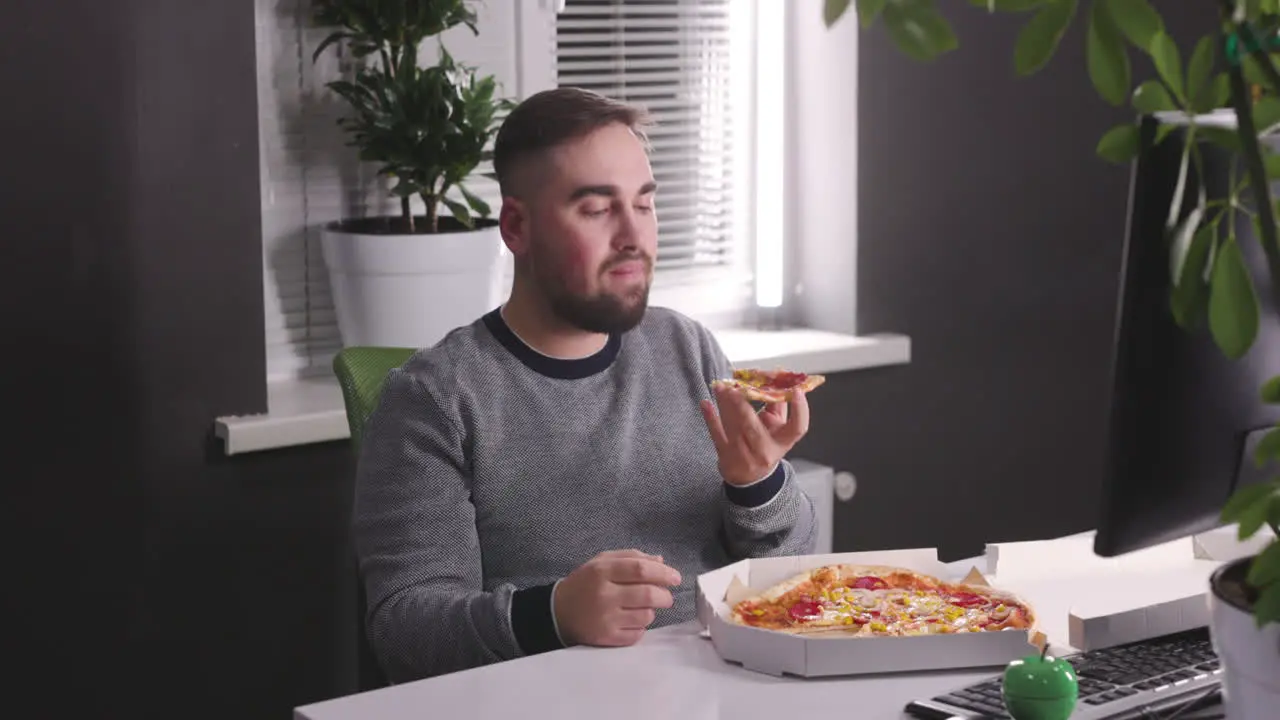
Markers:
<point>779,653</point>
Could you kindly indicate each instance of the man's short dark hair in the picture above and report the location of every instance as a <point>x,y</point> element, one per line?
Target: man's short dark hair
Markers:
<point>550,118</point>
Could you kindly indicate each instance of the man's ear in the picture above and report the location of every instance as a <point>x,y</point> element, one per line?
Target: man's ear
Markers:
<point>513,222</point>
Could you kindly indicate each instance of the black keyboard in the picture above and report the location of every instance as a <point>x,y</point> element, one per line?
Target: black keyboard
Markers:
<point>1154,675</point>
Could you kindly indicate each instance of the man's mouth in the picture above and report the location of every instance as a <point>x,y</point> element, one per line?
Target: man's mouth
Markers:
<point>628,268</point>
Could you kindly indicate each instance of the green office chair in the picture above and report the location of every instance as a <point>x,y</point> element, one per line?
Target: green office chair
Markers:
<point>361,372</point>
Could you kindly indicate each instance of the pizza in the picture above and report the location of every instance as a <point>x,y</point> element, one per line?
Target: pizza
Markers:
<point>770,386</point>
<point>872,600</point>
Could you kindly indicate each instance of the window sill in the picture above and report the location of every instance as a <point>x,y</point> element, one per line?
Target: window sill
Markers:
<point>311,410</point>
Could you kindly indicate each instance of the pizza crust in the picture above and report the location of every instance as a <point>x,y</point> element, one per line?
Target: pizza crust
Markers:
<point>769,395</point>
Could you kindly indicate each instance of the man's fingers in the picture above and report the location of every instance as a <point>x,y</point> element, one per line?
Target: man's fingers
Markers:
<point>638,619</point>
<point>741,421</point>
<point>642,596</point>
<point>623,638</point>
<point>798,423</point>
<point>773,416</point>
<point>642,570</point>
<point>629,553</point>
<point>712,418</point>
<point>734,408</point>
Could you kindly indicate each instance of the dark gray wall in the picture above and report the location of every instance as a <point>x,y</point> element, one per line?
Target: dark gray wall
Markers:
<point>158,578</point>
<point>991,234</point>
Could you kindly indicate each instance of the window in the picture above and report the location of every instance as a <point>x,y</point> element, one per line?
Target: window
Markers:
<point>693,63</point>
<point>690,63</point>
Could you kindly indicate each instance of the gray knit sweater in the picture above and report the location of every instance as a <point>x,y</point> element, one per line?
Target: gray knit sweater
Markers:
<point>490,471</point>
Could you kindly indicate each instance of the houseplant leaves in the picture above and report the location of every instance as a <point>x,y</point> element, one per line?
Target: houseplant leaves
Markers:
<point>1233,301</point>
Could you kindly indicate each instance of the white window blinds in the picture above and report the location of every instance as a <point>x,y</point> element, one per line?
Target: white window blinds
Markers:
<point>310,176</point>
<point>678,59</point>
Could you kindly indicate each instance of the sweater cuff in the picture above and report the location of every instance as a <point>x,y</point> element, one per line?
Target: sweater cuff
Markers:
<point>757,493</point>
<point>533,621</point>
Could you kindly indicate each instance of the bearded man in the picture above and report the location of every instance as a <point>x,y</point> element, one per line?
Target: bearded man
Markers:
<point>559,471</point>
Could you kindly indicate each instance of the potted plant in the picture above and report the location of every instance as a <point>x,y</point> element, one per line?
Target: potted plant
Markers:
<point>1232,67</point>
<point>405,280</point>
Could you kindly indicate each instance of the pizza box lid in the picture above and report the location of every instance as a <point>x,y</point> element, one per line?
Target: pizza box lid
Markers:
<point>779,653</point>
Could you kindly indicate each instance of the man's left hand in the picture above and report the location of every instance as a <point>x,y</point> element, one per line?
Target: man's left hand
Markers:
<point>749,444</point>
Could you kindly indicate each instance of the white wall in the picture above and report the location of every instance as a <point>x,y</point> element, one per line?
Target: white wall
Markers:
<point>823,164</point>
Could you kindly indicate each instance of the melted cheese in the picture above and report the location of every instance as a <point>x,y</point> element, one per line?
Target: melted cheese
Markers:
<point>900,612</point>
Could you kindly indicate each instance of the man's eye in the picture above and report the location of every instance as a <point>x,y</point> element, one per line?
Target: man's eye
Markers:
<point>594,211</point>
<point>645,208</point>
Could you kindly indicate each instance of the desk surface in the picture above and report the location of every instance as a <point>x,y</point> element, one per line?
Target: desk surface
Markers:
<point>675,672</point>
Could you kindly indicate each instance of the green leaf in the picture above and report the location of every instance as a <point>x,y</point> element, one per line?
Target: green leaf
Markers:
<point>1217,94</point>
<point>477,204</point>
<point>1270,392</point>
<point>1119,144</point>
<point>1226,139</point>
<point>1137,20</point>
<point>1267,608</point>
<point>1246,497</point>
<point>1233,302</point>
<point>1271,163</point>
<point>1200,66</point>
<point>1268,447</point>
<point>1264,569</point>
<point>1152,97</point>
<point>918,30</point>
<point>1039,39</point>
<point>1164,53</point>
<point>1200,88</point>
<point>1266,113</point>
<point>833,10</point>
<point>1252,71</point>
<point>1255,516</point>
<point>1191,292</point>
<point>1108,60</point>
<point>460,212</point>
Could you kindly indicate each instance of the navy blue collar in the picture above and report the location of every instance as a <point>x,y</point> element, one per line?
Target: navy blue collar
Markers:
<point>552,367</point>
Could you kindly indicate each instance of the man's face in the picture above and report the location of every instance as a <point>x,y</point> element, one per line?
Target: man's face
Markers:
<point>587,230</point>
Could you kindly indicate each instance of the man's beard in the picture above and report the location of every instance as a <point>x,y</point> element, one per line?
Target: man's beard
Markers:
<point>602,313</point>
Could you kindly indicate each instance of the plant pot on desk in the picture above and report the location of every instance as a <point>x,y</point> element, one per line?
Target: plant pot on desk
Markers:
<point>398,289</point>
<point>1250,654</point>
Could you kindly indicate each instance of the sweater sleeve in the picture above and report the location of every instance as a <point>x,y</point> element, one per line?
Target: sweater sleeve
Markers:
<point>418,550</point>
<point>772,516</point>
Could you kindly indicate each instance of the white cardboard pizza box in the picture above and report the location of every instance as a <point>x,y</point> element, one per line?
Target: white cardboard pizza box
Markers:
<point>778,653</point>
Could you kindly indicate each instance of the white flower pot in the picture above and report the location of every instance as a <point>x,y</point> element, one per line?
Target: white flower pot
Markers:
<point>1250,655</point>
<point>396,290</point>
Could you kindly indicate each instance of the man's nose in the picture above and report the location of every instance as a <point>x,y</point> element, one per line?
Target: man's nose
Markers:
<point>630,231</point>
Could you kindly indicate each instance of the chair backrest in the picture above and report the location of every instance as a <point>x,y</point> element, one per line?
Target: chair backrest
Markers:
<point>361,372</point>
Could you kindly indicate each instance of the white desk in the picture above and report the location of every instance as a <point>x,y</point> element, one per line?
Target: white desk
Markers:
<point>674,672</point>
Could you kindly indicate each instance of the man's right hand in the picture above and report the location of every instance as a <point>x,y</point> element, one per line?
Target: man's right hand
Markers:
<point>611,599</point>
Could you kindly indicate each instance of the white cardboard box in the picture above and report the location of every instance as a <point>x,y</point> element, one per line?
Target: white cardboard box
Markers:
<point>1155,591</point>
<point>1141,605</point>
<point>777,653</point>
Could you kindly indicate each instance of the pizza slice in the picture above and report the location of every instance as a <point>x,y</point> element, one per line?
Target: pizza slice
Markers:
<point>770,386</point>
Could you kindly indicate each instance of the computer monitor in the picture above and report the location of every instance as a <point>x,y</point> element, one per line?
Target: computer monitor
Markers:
<point>1184,418</point>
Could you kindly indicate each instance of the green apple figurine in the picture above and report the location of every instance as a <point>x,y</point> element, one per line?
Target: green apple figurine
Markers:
<point>1040,687</point>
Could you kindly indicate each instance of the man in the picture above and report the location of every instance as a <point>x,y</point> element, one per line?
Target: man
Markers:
<point>542,477</point>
